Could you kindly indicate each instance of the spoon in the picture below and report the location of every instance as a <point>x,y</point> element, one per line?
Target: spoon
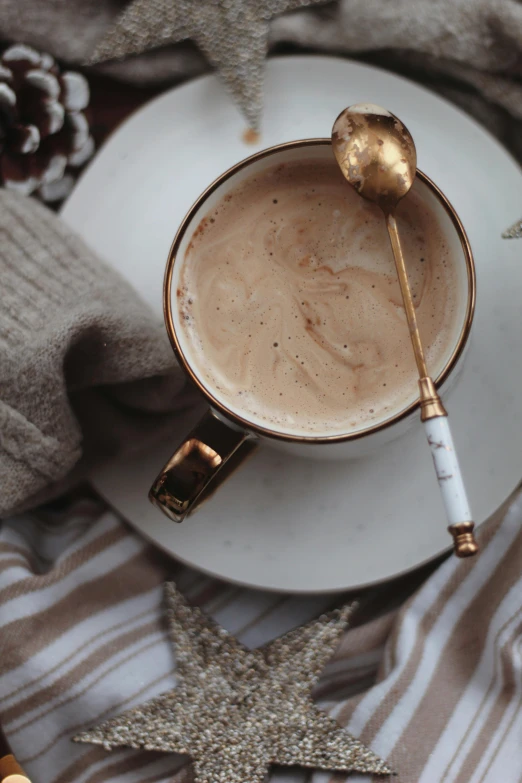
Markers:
<point>377,156</point>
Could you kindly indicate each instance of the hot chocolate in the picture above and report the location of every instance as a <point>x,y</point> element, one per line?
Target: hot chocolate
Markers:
<point>291,305</point>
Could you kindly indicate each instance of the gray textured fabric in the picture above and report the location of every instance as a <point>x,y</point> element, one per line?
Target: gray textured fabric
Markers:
<point>84,369</point>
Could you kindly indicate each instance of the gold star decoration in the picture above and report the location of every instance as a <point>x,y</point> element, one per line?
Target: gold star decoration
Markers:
<point>232,34</point>
<point>237,711</point>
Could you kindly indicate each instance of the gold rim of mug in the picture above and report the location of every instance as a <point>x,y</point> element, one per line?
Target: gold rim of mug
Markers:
<point>257,429</point>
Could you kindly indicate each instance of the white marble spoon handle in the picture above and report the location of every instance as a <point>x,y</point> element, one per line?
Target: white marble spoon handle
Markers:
<point>451,485</point>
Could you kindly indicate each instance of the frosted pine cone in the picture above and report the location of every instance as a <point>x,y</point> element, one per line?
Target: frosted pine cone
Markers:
<point>44,134</point>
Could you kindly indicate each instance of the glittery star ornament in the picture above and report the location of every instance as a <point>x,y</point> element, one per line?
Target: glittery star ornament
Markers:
<point>237,711</point>
<point>514,231</point>
<point>232,34</point>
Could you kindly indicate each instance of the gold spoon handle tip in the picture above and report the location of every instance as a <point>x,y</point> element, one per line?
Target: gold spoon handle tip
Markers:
<point>11,771</point>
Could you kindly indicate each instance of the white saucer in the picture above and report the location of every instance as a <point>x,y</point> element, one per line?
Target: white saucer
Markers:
<point>296,525</point>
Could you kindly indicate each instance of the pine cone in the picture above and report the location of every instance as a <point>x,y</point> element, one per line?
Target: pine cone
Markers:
<point>44,134</point>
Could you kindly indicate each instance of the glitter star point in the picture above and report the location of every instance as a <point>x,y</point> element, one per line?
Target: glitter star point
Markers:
<point>514,231</point>
<point>236,711</point>
<point>232,34</point>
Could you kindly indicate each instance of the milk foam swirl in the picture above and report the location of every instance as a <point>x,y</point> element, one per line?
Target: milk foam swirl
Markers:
<point>291,304</point>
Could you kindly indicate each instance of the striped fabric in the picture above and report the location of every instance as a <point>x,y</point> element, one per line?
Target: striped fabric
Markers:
<point>431,681</point>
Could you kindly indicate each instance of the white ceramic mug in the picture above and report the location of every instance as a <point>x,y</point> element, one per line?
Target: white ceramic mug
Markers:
<point>226,435</point>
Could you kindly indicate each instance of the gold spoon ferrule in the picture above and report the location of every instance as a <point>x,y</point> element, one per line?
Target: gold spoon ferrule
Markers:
<point>430,402</point>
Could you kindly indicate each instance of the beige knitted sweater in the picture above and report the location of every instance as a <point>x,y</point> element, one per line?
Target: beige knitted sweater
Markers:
<point>85,370</point>
<point>84,367</point>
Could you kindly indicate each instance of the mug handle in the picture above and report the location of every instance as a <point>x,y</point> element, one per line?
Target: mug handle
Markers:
<point>199,465</point>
